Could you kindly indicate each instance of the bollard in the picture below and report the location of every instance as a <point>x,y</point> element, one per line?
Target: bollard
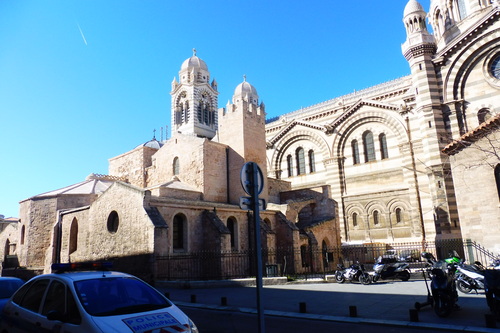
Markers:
<point>223,301</point>
<point>353,311</point>
<point>490,320</point>
<point>302,307</point>
<point>193,298</point>
<point>413,315</point>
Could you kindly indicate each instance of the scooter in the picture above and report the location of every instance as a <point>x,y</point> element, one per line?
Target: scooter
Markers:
<point>442,285</point>
<point>386,268</point>
<point>492,291</point>
<point>355,272</point>
<point>470,277</point>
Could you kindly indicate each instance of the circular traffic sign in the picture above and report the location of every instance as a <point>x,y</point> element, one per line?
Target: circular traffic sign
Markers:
<point>247,178</point>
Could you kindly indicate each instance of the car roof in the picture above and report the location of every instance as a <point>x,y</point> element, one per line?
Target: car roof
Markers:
<point>10,278</point>
<point>85,275</point>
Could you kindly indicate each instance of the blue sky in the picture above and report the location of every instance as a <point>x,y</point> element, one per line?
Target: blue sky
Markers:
<point>84,81</point>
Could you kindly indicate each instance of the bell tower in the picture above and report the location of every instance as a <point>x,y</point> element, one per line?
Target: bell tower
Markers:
<point>242,128</point>
<point>194,100</point>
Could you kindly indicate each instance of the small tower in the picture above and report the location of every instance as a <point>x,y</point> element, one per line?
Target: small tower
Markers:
<point>427,120</point>
<point>242,127</point>
<point>194,100</point>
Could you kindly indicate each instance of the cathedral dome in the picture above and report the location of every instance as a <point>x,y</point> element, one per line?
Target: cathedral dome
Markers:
<point>153,143</point>
<point>413,6</point>
<point>246,91</point>
<point>245,88</point>
<point>194,63</point>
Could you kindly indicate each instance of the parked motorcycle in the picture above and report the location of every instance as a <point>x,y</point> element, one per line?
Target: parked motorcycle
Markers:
<point>495,264</point>
<point>470,277</point>
<point>386,268</point>
<point>355,272</point>
<point>442,285</point>
<point>492,291</point>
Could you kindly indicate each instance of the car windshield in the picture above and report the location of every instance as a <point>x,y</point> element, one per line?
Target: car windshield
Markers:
<point>117,296</point>
<point>8,287</point>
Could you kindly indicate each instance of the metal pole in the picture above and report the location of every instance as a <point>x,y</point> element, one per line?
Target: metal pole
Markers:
<point>258,247</point>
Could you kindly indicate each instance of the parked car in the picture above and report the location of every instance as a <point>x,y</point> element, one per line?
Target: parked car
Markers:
<point>91,301</point>
<point>8,286</point>
<point>410,255</point>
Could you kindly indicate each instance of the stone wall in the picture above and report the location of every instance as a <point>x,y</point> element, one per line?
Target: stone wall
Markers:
<point>476,192</point>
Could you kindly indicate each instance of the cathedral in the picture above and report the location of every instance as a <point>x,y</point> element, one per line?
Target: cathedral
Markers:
<point>169,201</point>
<point>386,151</point>
<point>409,160</point>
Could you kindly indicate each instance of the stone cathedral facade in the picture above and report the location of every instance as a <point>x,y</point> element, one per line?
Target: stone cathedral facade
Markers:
<point>180,198</point>
<point>382,149</point>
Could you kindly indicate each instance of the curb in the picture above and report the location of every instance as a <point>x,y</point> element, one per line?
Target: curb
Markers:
<point>353,320</point>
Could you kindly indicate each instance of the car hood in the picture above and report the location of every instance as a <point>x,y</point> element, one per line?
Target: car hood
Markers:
<point>170,319</point>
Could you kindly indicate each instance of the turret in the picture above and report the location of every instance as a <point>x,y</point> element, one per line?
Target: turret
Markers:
<point>194,100</point>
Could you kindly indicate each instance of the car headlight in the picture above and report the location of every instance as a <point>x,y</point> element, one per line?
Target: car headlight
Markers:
<point>192,326</point>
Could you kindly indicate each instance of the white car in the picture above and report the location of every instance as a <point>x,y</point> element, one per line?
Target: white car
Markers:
<point>91,301</point>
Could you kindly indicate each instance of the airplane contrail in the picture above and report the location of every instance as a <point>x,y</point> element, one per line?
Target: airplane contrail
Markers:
<point>81,33</point>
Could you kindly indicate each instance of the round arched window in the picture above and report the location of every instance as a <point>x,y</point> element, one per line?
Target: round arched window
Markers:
<point>113,222</point>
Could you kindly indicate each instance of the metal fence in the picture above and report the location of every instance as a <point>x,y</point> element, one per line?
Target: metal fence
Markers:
<point>305,262</point>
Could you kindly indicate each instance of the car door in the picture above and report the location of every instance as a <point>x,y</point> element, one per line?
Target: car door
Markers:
<point>22,315</point>
<point>59,312</point>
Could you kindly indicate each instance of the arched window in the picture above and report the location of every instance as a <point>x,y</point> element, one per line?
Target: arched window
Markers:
<point>312,166</point>
<point>398,215</point>
<point>233,229</point>
<point>178,232</point>
<point>289,165</point>
<point>483,115</point>
<point>73,236</point>
<point>304,255</point>
<point>497,178</point>
<point>301,163</point>
<point>375,218</point>
<point>175,166</point>
<point>383,146</point>
<point>113,222</point>
<point>355,152</point>
<point>23,230</point>
<point>368,146</point>
<point>7,248</point>
<point>355,219</point>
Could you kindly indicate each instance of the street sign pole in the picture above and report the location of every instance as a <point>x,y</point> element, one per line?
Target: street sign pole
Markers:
<point>258,248</point>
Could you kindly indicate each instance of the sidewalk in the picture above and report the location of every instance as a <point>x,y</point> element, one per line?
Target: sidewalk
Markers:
<point>386,303</point>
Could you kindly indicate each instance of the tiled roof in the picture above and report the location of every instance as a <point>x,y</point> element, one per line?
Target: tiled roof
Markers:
<point>470,137</point>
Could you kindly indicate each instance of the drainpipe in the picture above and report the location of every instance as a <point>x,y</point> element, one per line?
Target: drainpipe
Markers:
<point>417,189</point>
<point>56,258</point>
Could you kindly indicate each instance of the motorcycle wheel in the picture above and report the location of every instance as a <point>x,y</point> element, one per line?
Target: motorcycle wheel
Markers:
<point>375,278</point>
<point>365,278</point>
<point>404,275</point>
<point>339,277</point>
<point>442,305</point>
<point>463,287</point>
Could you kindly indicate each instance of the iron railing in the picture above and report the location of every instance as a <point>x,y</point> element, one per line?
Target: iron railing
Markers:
<point>305,262</point>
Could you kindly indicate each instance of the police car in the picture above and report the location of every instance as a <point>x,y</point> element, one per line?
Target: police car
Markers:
<point>91,301</point>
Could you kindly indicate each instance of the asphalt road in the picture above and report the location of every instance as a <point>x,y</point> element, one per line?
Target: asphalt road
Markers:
<point>214,321</point>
